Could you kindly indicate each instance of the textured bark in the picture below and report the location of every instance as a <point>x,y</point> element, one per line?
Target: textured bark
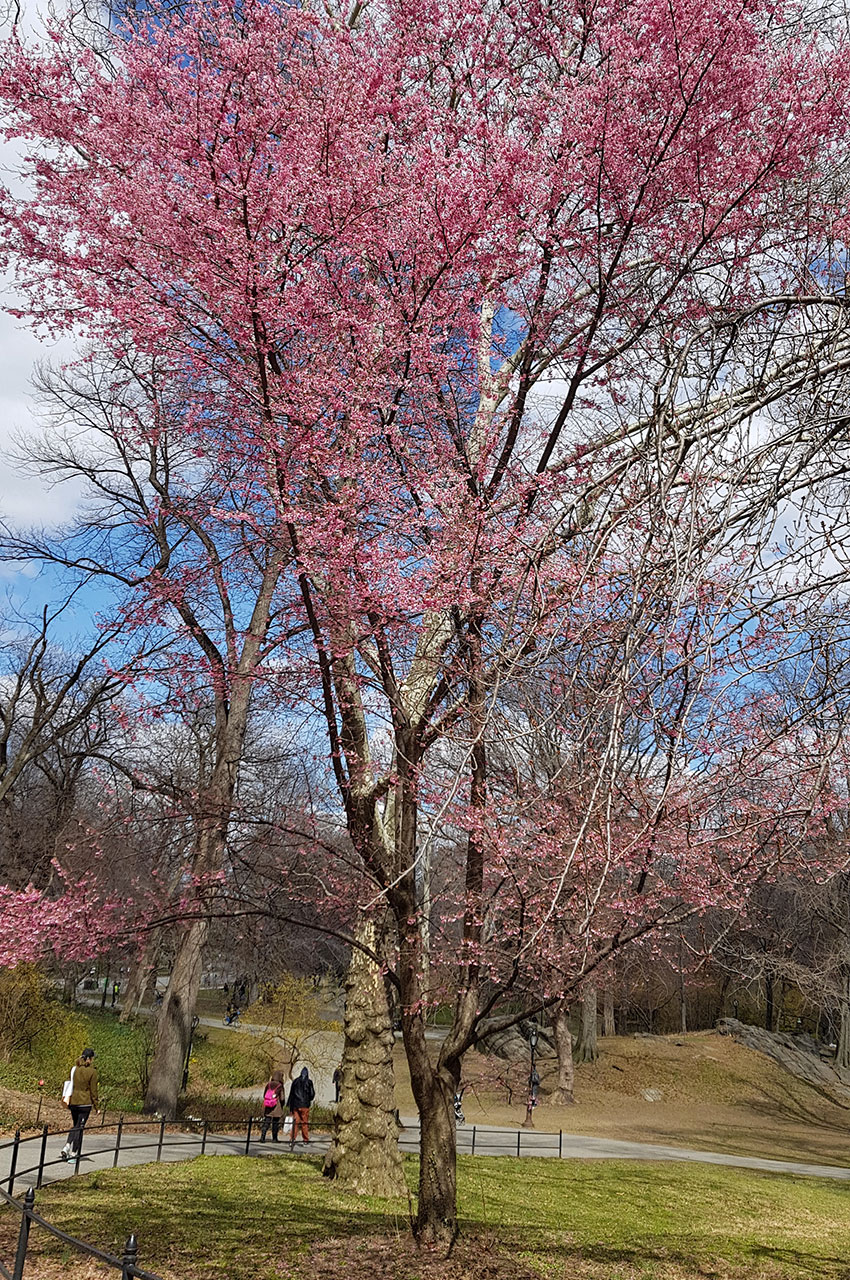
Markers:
<point>842,1054</point>
<point>587,1049</point>
<point>364,1156</point>
<point>609,1027</point>
<point>564,1094</point>
<point>175,1022</point>
<point>436,1219</point>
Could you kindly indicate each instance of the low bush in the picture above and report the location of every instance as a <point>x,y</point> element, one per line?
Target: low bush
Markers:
<point>34,1026</point>
<point>230,1061</point>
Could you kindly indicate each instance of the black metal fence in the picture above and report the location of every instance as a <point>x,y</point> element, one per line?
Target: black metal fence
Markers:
<point>19,1148</point>
<point>471,1140</point>
<point>474,1141</point>
<point>29,1218</point>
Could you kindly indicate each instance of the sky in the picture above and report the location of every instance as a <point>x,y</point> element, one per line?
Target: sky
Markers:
<point>25,501</point>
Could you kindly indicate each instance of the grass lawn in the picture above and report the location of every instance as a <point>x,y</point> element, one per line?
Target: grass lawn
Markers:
<point>232,1218</point>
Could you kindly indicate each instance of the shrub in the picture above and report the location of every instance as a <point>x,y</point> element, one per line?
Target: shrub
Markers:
<point>236,1063</point>
<point>30,1016</point>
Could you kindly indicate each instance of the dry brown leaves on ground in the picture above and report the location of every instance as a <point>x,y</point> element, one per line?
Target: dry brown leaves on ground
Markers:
<point>397,1258</point>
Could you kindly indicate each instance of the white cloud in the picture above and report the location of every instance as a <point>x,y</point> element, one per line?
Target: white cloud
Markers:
<point>24,500</point>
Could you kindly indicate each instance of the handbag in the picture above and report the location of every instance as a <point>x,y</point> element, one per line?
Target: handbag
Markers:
<point>68,1089</point>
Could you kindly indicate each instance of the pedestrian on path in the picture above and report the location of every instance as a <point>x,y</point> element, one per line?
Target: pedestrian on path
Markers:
<point>273,1091</point>
<point>82,1102</point>
<point>301,1094</point>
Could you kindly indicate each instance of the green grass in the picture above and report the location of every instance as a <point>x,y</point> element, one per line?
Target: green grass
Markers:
<point>52,1056</point>
<point>231,1218</point>
<point>217,1064</point>
<point>230,1060</point>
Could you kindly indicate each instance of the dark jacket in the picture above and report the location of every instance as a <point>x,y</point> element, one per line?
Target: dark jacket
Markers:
<point>301,1092</point>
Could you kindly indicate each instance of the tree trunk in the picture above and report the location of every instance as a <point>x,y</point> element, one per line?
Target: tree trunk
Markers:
<point>564,1094</point>
<point>211,820</point>
<point>364,1155</point>
<point>436,1218</point>
<point>143,969</point>
<point>768,1001</point>
<point>721,999</point>
<point>174,1026</point>
<point>842,1053</point>
<point>609,1027</point>
<point>587,1049</point>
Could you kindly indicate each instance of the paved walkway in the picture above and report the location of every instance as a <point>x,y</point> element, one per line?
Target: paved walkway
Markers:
<point>138,1148</point>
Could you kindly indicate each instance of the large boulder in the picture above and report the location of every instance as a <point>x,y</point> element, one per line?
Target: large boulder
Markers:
<point>798,1053</point>
<point>512,1044</point>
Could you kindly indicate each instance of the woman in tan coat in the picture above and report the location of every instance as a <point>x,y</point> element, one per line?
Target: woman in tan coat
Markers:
<point>82,1102</point>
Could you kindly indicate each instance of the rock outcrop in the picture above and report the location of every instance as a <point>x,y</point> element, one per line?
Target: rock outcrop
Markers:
<point>797,1052</point>
<point>512,1044</point>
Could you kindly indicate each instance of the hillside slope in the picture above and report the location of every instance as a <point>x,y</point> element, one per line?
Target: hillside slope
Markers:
<point>699,1090</point>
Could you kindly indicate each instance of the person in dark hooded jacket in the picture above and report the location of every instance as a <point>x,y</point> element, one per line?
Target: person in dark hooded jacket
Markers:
<point>301,1094</point>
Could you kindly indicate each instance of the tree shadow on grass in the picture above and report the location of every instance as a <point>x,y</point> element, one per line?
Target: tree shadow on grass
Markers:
<point>215,1218</point>
<point>564,1259</point>
<point>222,1218</point>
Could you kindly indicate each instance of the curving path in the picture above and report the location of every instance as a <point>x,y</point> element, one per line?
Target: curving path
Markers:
<point>98,1151</point>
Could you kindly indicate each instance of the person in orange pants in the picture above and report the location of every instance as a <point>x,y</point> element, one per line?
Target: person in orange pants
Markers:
<point>301,1094</point>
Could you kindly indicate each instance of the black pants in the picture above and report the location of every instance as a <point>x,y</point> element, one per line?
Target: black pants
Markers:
<point>79,1115</point>
<point>268,1118</point>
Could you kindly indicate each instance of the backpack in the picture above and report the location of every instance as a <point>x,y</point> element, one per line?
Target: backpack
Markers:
<point>270,1097</point>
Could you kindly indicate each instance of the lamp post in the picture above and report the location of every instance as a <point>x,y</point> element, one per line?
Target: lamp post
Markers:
<point>533,1081</point>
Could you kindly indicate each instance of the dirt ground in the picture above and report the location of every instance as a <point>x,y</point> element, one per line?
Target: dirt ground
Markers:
<point>708,1092</point>
<point>17,1108</point>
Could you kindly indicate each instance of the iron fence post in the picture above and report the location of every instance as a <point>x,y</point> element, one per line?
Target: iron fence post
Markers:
<point>161,1136</point>
<point>518,1139</point>
<point>204,1138</point>
<point>24,1235</point>
<point>130,1258</point>
<point>41,1157</point>
<point>14,1162</point>
<point>248,1138</point>
<point>560,1143</point>
<point>117,1142</point>
<point>473,1139</point>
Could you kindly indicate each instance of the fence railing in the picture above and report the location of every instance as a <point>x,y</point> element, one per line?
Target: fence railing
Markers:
<point>19,1148</point>
<point>156,1128</point>
<point>471,1139</point>
<point>127,1264</point>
